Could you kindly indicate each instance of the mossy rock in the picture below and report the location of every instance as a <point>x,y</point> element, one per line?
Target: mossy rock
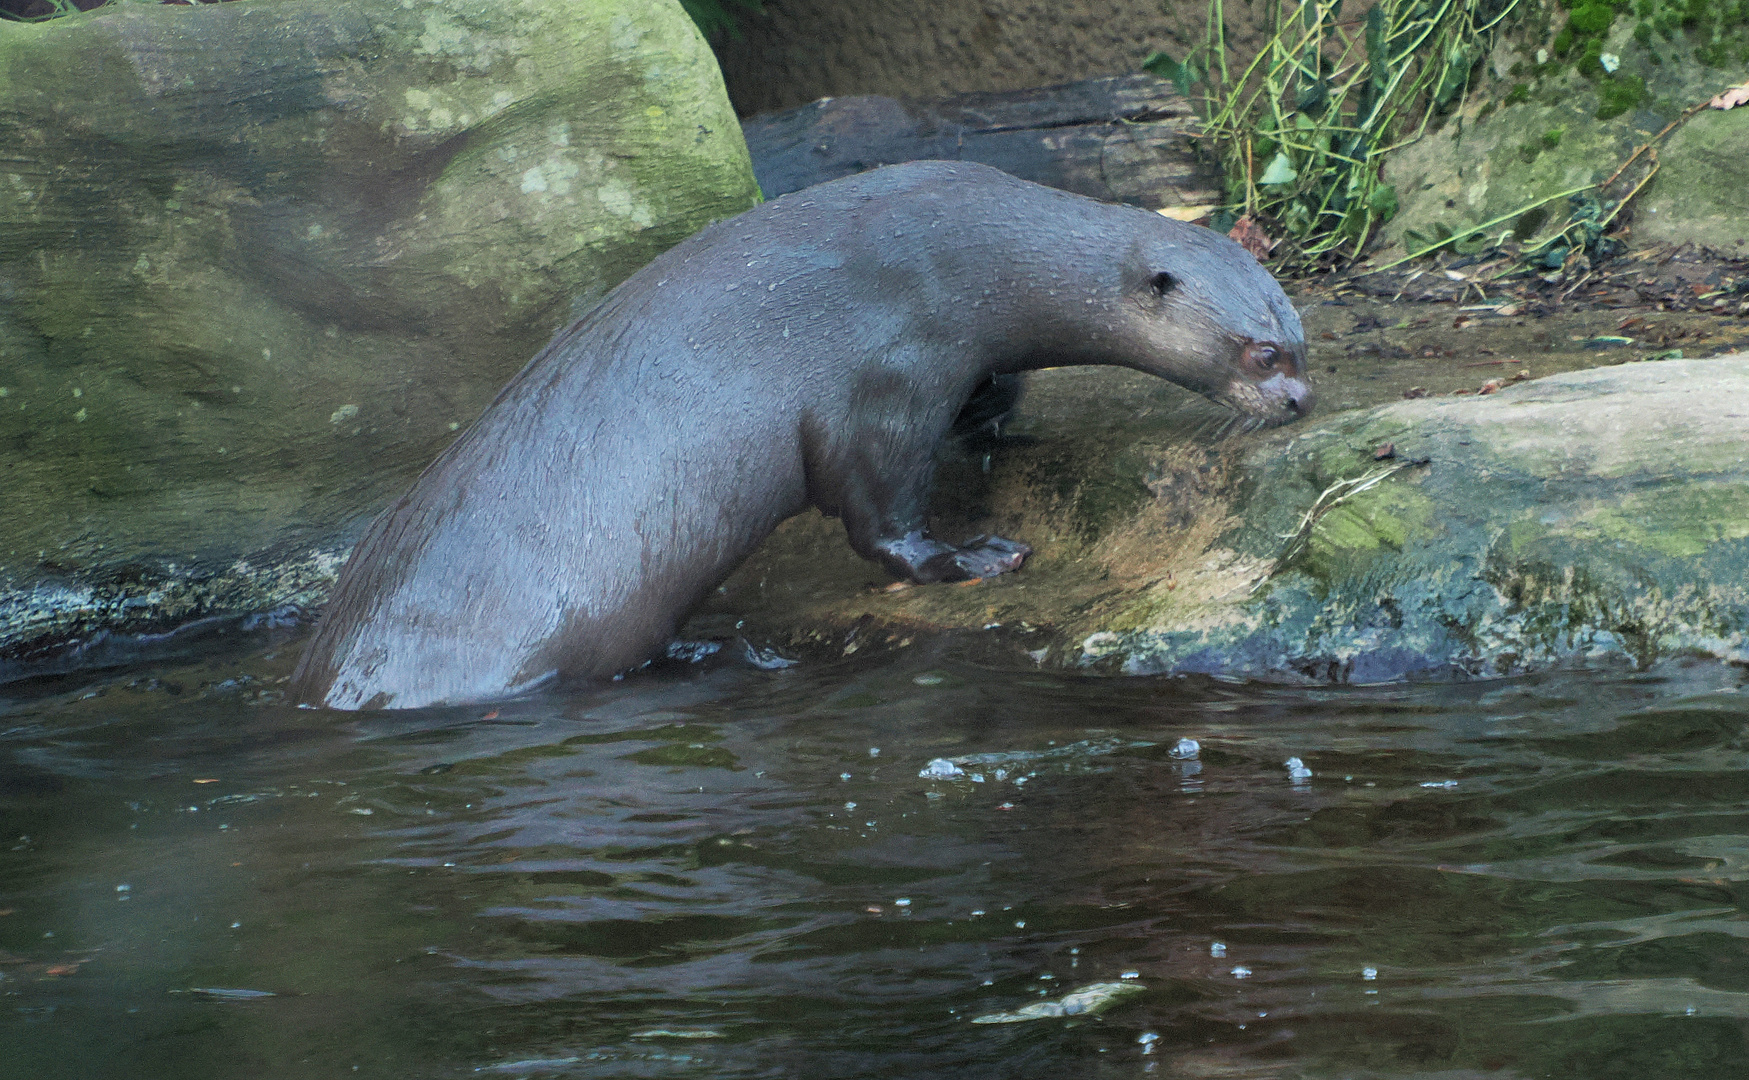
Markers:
<point>260,260</point>
<point>1518,143</point>
<point>1601,514</point>
<point>1598,515</point>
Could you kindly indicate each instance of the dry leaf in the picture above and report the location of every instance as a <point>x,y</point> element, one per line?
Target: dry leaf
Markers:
<point>1252,238</point>
<point>1186,213</point>
<point>1731,97</point>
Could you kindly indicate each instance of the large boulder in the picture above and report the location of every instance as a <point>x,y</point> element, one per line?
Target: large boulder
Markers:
<point>1594,515</point>
<point>260,260</point>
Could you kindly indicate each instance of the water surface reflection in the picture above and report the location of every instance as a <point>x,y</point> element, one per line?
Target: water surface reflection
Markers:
<point>737,872</point>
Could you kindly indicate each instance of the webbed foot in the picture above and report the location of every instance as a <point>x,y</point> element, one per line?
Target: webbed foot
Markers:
<point>924,559</point>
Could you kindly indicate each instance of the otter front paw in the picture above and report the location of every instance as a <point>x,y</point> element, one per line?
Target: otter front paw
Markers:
<point>979,557</point>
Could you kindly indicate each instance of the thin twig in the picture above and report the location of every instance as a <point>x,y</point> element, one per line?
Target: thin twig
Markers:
<point>1329,499</point>
<point>1480,228</point>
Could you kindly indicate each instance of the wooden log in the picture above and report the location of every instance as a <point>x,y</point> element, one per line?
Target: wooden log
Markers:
<point>1125,139</point>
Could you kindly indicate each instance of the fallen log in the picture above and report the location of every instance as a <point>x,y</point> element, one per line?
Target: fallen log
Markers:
<point>1128,138</point>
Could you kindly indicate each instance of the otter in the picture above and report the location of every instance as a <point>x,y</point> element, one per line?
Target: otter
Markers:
<point>812,351</point>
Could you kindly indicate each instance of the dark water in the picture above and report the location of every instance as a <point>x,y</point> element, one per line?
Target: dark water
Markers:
<point>715,874</point>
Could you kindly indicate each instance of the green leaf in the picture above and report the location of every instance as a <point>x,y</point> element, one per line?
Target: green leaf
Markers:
<point>1457,74</point>
<point>1377,56</point>
<point>1313,96</point>
<point>1181,75</point>
<point>1473,244</point>
<point>1280,171</point>
<point>1383,202</point>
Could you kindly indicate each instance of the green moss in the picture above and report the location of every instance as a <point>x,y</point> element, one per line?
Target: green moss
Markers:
<point>1564,42</point>
<point>1592,19</point>
<point>1380,521</point>
<point>1518,94</point>
<point>1680,522</point>
<point>1552,137</point>
<point>1619,95</point>
<point>1590,63</point>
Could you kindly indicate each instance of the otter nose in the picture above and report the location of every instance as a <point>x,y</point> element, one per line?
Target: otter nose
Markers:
<point>1299,398</point>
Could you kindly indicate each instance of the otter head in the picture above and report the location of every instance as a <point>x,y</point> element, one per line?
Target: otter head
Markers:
<point>1199,310</point>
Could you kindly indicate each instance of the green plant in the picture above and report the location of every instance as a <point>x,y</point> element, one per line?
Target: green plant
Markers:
<point>1518,94</point>
<point>57,8</point>
<point>1303,129</point>
<point>1552,137</point>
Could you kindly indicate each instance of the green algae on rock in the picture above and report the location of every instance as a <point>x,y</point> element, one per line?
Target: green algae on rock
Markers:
<point>1601,514</point>
<point>260,261</point>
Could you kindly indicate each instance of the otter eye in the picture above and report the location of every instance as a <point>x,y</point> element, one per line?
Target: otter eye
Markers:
<point>1162,283</point>
<point>1264,356</point>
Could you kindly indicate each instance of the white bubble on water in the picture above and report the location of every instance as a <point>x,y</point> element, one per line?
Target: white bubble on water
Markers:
<point>941,769</point>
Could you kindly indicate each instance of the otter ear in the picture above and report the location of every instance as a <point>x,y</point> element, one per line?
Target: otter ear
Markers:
<point>1162,283</point>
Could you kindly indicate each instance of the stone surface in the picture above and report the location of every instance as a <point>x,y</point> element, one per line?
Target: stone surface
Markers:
<point>1592,515</point>
<point>1702,191</point>
<point>1493,159</point>
<point>259,261</point>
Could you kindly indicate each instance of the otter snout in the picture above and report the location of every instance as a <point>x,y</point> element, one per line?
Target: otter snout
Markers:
<point>1295,394</point>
